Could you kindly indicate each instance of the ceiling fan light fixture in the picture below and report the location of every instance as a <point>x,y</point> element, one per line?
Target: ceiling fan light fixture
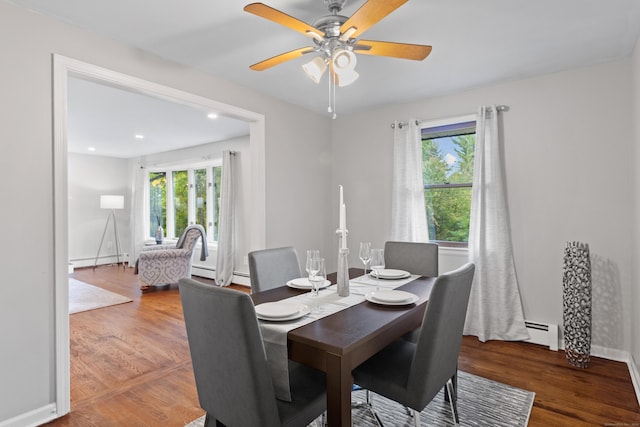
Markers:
<point>347,77</point>
<point>343,61</point>
<point>315,68</point>
<point>334,38</point>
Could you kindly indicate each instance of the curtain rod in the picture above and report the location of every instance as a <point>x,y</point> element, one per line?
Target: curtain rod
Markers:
<point>401,124</point>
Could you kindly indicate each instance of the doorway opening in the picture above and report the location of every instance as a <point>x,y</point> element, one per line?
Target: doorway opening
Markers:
<point>63,69</point>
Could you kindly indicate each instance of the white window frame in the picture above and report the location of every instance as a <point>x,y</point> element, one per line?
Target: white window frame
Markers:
<point>444,122</point>
<point>191,197</point>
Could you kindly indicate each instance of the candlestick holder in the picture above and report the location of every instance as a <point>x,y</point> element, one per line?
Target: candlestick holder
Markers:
<point>343,265</point>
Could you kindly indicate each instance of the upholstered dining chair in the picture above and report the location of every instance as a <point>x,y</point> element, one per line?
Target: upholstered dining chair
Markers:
<point>270,268</point>
<point>230,365</point>
<point>412,374</point>
<point>162,265</point>
<point>416,258</point>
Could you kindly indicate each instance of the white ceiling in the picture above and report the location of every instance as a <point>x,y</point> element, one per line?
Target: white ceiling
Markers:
<point>108,118</point>
<point>475,42</point>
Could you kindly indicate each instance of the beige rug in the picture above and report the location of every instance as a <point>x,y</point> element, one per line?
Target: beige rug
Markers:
<point>84,297</point>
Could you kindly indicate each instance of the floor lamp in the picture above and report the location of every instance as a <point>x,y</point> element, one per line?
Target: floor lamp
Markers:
<point>113,203</point>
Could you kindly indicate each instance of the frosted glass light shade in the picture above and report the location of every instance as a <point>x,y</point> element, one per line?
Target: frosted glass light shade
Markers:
<point>343,60</point>
<point>344,64</point>
<point>112,202</point>
<point>345,78</point>
<point>315,68</point>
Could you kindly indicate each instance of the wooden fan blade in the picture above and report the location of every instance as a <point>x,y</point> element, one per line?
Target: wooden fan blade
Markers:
<point>267,12</point>
<point>279,59</point>
<point>370,13</point>
<point>416,52</point>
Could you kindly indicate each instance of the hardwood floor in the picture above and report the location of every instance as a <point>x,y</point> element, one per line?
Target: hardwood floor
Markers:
<point>130,366</point>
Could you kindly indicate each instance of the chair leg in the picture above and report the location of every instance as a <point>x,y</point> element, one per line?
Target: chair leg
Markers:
<point>454,378</point>
<point>416,418</point>
<point>369,404</point>
<point>357,403</point>
<point>209,421</point>
<point>453,401</point>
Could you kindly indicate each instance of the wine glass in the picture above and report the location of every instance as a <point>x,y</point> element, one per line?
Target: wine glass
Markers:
<point>317,276</point>
<point>377,264</point>
<point>311,254</point>
<point>365,254</point>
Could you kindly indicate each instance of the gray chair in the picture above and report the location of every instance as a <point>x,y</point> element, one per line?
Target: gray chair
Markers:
<point>416,258</point>
<point>230,365</point>
<point>270,268</point>
<point>412,374</point>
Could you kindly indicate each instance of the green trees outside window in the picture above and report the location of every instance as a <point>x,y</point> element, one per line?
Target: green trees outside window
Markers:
<point>447,162</point>
<point>180,201</point>
<point>157,201</point>
<point>185,196</point>
<point>201,197</point>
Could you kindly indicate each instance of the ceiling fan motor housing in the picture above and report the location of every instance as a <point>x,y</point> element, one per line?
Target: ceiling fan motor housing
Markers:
<point>330,24</point>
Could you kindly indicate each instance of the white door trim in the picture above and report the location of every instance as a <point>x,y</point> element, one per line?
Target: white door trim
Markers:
<point>62,68</point>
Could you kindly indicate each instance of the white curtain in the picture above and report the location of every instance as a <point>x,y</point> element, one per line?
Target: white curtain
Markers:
<point>226,245</point>
<point>495,309</point>
<point>138,214</point>
<point>408,215</point>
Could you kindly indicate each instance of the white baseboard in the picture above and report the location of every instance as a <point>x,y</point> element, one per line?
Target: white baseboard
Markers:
<point>635,376</point>
<point>33,418</point>
<point>103,260</point>
<point>619,356</point>
<point>609,353</point>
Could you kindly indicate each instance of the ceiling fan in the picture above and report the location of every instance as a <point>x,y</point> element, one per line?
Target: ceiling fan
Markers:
<point>335,39</point>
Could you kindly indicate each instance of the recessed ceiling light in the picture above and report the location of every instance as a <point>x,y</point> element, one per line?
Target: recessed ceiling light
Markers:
<point>212,115</point>
<point>139,136</point>
<point>91,148</point>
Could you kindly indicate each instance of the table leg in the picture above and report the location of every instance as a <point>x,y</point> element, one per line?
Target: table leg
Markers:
<point>339,383</point>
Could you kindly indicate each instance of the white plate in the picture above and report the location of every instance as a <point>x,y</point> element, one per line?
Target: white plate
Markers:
<point>303,310</point>
<point>373,297</point>
<point>277,310</point>
<point>388,273</point>
<point>392,296</point>
<point>303,283</point>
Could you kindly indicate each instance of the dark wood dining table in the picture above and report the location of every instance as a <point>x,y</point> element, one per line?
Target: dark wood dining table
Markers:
<point>338,343</point>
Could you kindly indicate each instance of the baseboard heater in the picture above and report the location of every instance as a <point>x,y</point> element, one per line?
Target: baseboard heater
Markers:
<point>210,273</point>
<point>543,334</point>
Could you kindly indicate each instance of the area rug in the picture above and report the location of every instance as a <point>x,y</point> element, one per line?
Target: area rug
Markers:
<point>481,402</point>
<point>84,297</point>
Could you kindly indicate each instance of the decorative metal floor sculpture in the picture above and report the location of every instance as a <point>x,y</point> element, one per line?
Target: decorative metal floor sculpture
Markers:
<point>576,302</point>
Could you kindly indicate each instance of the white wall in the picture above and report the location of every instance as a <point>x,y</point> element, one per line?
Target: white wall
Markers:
<point>89,178</point>
<point>568,173</point>
<point>635,283</point>
<point>298,146</point>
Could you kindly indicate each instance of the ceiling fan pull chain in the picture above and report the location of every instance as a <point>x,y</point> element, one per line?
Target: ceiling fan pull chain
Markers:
<point>332,97</point>
<point>330,109</point>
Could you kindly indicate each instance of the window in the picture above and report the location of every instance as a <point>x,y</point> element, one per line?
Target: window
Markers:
<point>183,196</point>
<point>447,166</point>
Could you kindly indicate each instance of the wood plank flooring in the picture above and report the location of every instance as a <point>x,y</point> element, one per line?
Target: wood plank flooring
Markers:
<point>130,366</point>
